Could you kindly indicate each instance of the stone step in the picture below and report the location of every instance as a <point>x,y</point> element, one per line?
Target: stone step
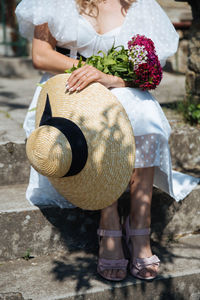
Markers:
<point>73,277</point>
<point>184,145</point>
<point>47,229</point>
<point>14,165</point>
<point>20,67</point>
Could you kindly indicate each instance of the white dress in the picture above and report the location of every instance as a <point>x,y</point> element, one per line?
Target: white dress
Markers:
<point>150,126</point>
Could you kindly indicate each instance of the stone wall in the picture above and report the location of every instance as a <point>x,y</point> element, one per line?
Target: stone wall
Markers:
<point>193,72</point>
<point>180,14</point>
<point>187,58</point>
<point>178,62</point>
<point>173,4</point>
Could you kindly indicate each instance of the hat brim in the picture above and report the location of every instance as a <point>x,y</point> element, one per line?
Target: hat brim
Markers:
<point>110,139</point>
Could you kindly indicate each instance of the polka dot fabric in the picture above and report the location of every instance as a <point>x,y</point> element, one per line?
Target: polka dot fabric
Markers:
<point>147,151</point>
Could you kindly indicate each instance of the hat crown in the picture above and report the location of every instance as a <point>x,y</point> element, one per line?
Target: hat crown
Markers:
<point>49,151</point>
<point>52,159</point>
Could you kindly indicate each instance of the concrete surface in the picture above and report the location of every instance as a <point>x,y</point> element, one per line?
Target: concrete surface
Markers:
<point>46,229</point>
<point>60,276</point>
<point>15,97</point>
<point>17,67</point>
<point>14,165</point>
<point>184,143</point>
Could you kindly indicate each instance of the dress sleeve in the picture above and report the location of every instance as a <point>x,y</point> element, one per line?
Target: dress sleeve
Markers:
<point>146,17</point>
<point>61,16</point>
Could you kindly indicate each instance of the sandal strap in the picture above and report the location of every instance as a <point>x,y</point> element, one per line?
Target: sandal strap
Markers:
<point>141,263</point>
<point>109,233</point>
<point>143,231</point>
<point>107,264</point>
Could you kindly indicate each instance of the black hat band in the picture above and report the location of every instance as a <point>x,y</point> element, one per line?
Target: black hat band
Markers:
<point>74,136</point>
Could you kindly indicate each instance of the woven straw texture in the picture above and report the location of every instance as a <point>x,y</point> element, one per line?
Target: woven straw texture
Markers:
<point>49,151</point>
<point>110,139</point>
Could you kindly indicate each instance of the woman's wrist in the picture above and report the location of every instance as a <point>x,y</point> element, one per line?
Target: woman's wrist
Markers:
<point>115,82</point>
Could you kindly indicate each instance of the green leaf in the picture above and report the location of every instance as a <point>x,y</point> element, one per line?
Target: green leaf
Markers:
<point>68,71</point>
<point>123,57</point>
<point>80,62</point>
<point>106,70</point>
<point>109,61</point>
<point>99,66</point>
<point>40,84</point>
<point>32,109</point>
<point>71,69</point>
<point>119,68</point>
<point>101,52</point>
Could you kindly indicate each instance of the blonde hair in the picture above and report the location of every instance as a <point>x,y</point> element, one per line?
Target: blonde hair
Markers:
<point>90,7</point>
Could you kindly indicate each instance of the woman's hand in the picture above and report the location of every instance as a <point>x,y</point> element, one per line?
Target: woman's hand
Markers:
<point>85,75</point>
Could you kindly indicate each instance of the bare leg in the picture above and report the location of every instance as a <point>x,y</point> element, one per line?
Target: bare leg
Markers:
<point>111,247</point>
<point>141,186</point>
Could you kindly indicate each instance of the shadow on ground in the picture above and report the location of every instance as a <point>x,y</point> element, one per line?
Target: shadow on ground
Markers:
<point>78,231</point>
<point>175,105</point>
<point>9,95</point>
<point>11,106</point>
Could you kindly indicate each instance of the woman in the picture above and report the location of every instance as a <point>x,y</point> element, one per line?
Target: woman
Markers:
<point>85,27</point>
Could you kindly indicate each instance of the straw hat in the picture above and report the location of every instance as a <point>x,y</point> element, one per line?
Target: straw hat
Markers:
<point>83,143</point>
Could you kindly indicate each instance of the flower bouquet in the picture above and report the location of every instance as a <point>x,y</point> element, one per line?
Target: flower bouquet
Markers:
<point>139,64</point>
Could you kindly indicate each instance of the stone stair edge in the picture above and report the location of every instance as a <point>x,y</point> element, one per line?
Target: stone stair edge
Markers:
<point>58,276</point>
<point>49,228</point>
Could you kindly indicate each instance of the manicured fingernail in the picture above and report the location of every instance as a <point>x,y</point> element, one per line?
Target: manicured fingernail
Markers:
<point>78,89</point>
<point>71,89</point>
<point>67,86</point>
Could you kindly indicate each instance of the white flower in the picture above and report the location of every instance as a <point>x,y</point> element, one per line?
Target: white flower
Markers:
<point>138,55</point>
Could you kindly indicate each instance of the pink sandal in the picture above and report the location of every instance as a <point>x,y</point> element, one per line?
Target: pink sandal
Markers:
<point>108,264</point>
<point>139,264</point>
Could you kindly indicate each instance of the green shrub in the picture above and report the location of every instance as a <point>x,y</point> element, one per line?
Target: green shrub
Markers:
<point>191,111</point>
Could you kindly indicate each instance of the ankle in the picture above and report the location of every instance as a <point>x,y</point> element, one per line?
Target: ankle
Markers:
<point>139,222</point>
<point>111,248</point>
<point>110,223</point>
<point>141,246</point>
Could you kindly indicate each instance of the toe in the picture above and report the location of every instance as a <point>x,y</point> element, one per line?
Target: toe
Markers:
<point>148,272</point>
<point>105,273</point>
<point>113,273</point>
<point>118,274</point>
<point>109,273</point>
<point>121,274</point>
<point>145,273</point>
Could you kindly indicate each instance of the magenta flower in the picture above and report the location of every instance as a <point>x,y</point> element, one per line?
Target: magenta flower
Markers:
<point>147,71</point>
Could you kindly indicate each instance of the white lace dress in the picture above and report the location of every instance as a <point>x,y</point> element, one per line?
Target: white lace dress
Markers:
<point>151,128</point>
